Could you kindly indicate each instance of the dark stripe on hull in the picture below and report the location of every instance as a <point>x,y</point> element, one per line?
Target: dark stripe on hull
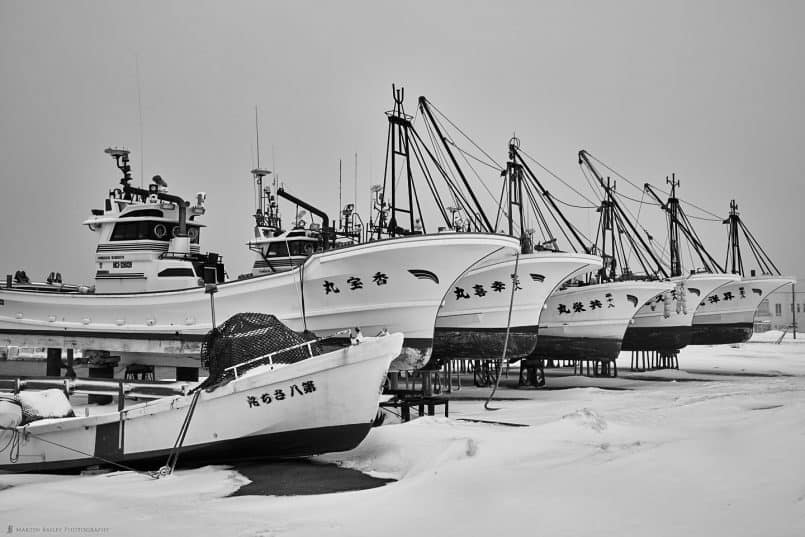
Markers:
<point>301,443</point>
<point>481,344</point>
<point>670,338</point>
<point>122,334</point>
<point>721,334</point>
<point>576,348</point>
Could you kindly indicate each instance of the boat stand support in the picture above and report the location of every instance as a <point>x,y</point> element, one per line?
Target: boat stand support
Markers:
<point>649,360</point>
<point>595,368</point>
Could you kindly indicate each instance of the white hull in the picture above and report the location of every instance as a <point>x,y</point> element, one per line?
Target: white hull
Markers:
<point>395,285</point>
<point>329,404</point>
<point>665,323</point>
<point>727,315</point>
<point>588,322</point>
<point>473,319</point>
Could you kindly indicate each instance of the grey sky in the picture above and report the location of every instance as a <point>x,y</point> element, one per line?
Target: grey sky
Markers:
<point>710,90</point>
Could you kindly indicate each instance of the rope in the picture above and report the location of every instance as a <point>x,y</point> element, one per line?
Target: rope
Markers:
<point>173,456</point>
<point>14,442</point>
<point>505,341</point>
<point>26,432</point>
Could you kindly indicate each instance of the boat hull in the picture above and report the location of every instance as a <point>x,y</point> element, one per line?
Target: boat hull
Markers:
<point>664,324</point>
<point>472,323</point>
<point>395,285</point>
<point>589,322</point>
<point>727,315</point>
<point>328,403</point>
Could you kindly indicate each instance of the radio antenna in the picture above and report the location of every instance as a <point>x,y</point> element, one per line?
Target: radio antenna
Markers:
<point>257,132</point>
<point>140,113</point>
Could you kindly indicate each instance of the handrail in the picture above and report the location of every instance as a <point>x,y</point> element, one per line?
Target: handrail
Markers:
<point>270,356</point>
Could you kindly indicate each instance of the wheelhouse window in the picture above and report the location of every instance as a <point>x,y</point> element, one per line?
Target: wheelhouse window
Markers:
<point>149,230</point>
<point>302,247</point>
<point>133,231</point>
<point>277,249</point>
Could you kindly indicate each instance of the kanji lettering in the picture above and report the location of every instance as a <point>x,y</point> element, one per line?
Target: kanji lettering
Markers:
<point>354,283</point>
<point>461,293</point>
<point>329,287</point>
<point>380,278</point>
<point>498,286</point>
<point>479,290</point>
<point>295,389</point>
<point>309,386</point>
<point>563,309</point>
<point>595,304</point>
<point>578,307</point>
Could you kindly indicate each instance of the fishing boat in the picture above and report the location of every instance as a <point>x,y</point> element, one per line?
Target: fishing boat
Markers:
<point>589,321</point>
<point>494,308</point>
<point>586,318</point>
<point>727,316</point>
<point>155,294</point>
<point>484,314</point>
<point>260,401</point>
<point>663,323</point>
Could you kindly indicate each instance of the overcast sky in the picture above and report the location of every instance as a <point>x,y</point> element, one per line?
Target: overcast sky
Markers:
<point>712,91</point>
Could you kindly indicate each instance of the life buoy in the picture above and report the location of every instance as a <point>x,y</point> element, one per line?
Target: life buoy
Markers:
<point>175,231</point>
<point>160,231</point>
<point>193,234</point>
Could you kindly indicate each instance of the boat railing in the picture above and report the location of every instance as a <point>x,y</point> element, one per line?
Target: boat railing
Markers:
<point>269,357</point>
<point>89,386</point>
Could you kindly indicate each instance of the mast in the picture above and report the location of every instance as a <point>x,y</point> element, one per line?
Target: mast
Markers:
<point>547,195</point>
<point>734,260</point>
<point>514,179</point>
<point>673,227</point>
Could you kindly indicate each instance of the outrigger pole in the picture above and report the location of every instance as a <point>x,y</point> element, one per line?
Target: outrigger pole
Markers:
<point>425,107</point>
<point>584,159</point>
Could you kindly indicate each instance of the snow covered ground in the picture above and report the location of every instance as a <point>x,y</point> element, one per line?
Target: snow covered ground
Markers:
<point>717,448</point>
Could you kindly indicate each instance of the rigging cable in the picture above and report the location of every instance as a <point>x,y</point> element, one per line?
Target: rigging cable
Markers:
<point>555,176</point>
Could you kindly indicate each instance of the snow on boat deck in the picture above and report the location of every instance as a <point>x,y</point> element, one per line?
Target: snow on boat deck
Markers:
<point>721,454</point>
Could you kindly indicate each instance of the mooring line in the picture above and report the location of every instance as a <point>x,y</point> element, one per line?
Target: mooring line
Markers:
<point>506,340</point>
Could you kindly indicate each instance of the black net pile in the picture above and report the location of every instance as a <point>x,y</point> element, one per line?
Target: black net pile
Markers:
<point>249,336</point>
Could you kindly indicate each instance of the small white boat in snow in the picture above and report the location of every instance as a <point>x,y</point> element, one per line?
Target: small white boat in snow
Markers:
<point>283,403</point>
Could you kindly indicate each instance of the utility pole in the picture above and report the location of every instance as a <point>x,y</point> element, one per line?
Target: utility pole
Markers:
<point>794,308</point>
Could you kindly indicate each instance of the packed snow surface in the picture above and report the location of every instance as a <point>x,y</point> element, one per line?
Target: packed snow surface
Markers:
<point>716,448</point>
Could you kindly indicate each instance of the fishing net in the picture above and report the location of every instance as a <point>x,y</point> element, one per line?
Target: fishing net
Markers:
<point>252,336</point>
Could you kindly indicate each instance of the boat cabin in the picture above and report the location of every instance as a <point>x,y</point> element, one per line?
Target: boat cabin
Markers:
<point>148,240</point>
